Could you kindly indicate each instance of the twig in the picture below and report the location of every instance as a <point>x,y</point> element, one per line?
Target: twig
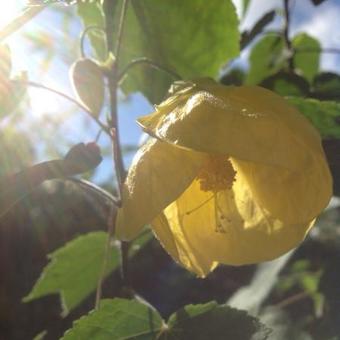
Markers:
<point>317,50</point>
<point>116,148</point>
<point>59,93</point>
<point>111,229</point>
<point>150,63</point>
<point>292,299</point>
<point>286,33</point>
<point>19,21</point>
<point>83,36</point>
<point>118,159</point>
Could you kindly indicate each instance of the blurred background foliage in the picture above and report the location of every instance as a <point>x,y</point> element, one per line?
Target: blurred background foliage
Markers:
<point>297,296</point>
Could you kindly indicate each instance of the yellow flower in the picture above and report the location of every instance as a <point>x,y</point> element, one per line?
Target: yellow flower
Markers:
<point>232,175</point>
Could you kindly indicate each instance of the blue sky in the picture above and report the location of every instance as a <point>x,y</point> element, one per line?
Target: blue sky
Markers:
<point>321,22</point>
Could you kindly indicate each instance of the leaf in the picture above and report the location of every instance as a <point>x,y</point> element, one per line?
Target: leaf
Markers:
<point>117,319</point>
<point>213,321</point>
<point>287,84</point>
<point>14,187</point>
<point>247,37</point>
<point>327,86</point>
<point>193,37</point>
<point>307,55</point>
<point>130,319</point>
<point>266,58</point>
<point>88,84</point>
<point>74,269</point>
<point>324,115</point>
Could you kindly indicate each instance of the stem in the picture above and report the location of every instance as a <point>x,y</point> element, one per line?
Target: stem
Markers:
<point>83,36</point>
<point>121,28</point>
<point>116,148</point>
<point>113,87</point>
<point>111,229</point>
<point>286,33</point>
<point>150,63</point>
<point>27,14</point>
<point>61,94</point>
<point>118,159</point>
<point>292,299</point>
<point>317,50</point>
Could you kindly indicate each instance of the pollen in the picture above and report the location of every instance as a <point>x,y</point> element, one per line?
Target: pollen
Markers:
<point>217,174</point>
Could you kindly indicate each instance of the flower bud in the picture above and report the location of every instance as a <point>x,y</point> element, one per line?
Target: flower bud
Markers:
<point>88,84</point>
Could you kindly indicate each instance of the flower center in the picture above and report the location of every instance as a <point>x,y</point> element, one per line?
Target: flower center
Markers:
<point>217,174</point>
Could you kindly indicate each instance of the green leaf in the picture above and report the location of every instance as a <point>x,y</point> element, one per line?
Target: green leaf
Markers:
<point>324,115</point>
<point>117,319</point>
<point>131,319</point>
<point>327,86</point>
<point>213,321</point>
<point>74,270</point>
<point>266,58</point>
<point>307,56</point>
<point>193,37</point>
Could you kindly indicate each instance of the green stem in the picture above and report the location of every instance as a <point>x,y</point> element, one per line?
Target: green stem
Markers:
<point>113,83</point>
<point>116,147</point>
<point>317,50</point>
<point>84,35</point>
<point>149,62</point>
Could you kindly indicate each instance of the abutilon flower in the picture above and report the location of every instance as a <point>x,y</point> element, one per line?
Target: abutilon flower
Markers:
<point>231,175</point>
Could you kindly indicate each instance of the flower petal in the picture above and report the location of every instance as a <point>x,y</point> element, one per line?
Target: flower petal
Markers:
<point>247,122</point>
<point>159,173</point>
<point>292,197</point>
<point>245,234</point>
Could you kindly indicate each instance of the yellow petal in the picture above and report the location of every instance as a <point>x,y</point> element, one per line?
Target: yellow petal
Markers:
<point>291,196</point>
<point>247,122</point>
<point>175,241</point>
<point>159,173</point>
<point>245,234</point>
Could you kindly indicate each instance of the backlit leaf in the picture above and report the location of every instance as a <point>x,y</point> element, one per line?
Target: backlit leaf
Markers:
<point>266,58</point>
<point>307,56</point>
<point>74,269</point>
<point>160,31</point>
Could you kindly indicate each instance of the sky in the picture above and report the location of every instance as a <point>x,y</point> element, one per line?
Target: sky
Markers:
<point>322,22</point>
